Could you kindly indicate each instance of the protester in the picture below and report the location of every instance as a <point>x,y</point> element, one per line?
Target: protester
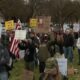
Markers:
<point>68,45</point>
<point>43,56</point>
<point>51,71</point>
<point>11,37</point>
<point>78,46</point>
<point>46,38</point>
<point>60,42</point>
<point>31,53</point>
<point>52,44</point>
<point>36,40</point>
<point>4,61</point>
<point>51,48</point>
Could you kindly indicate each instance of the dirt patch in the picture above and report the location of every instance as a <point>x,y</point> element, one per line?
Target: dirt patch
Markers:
<point>27,75</point>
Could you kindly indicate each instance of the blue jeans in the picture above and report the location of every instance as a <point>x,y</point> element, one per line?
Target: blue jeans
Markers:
<point>3,76</point>
<point>68,52</point>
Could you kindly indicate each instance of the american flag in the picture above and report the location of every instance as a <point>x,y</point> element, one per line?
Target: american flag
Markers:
<point>14,46</point>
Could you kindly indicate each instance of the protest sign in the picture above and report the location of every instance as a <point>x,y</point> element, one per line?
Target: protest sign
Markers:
<point>9,25</point>
<point>33,22</point>
<point>43,24</point>
<point>20,34</point>
<point>62,63</point>
<point>65,26</point>
<point>76,27</point>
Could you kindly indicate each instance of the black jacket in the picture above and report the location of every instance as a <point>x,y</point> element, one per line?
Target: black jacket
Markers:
<point>30,52</point>
<point>68,40</point>
<point>4,58</point>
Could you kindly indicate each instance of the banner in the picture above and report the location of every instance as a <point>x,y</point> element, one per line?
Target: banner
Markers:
<point>33,22</point>
<point>20,34</point>
<point>9,25</point>
<point>62,63</point>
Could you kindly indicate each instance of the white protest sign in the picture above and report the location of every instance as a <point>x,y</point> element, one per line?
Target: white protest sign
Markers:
<point>78,43</point>
<point>65,26</point>
<point>62,63</point>
<point>20,34</point>
<point>76,27</point>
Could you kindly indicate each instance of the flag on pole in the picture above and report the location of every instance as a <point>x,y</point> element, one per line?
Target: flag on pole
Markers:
<point>18,25</point>
<point>14,46</point>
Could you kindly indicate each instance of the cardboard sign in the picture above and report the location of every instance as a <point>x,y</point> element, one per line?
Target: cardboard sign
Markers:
<point>20,34</point>
<point>9,25</point>
<point>33,22</point>
<point>62,63</point>
<point>43,24</point>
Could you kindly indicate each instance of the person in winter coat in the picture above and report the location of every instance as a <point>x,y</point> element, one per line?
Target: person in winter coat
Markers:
<point>68,45</point>
<point>60,41</point>
<point>4,61</point>
<point>43,56</point>
<point>52,44</point>
<point>36,40</point>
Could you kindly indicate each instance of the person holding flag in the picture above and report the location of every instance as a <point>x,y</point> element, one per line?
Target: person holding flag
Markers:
<point>14,45</point>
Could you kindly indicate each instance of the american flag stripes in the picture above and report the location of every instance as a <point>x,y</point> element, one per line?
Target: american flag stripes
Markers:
<point>14,46</point>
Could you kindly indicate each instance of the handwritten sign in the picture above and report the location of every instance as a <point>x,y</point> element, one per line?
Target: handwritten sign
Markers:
<point>20,34</point>
<point>62,63</point>
<point>9,25</point>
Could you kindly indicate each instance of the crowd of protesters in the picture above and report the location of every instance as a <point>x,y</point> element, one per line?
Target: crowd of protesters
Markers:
<point>35,46</point>
<point>44,46</point>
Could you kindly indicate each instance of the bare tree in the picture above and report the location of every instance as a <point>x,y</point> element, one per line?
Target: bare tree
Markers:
<point>15,9</point>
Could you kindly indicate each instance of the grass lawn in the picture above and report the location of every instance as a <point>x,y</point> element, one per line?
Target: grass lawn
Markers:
<point>76,66</point>
<point>17,72</point>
